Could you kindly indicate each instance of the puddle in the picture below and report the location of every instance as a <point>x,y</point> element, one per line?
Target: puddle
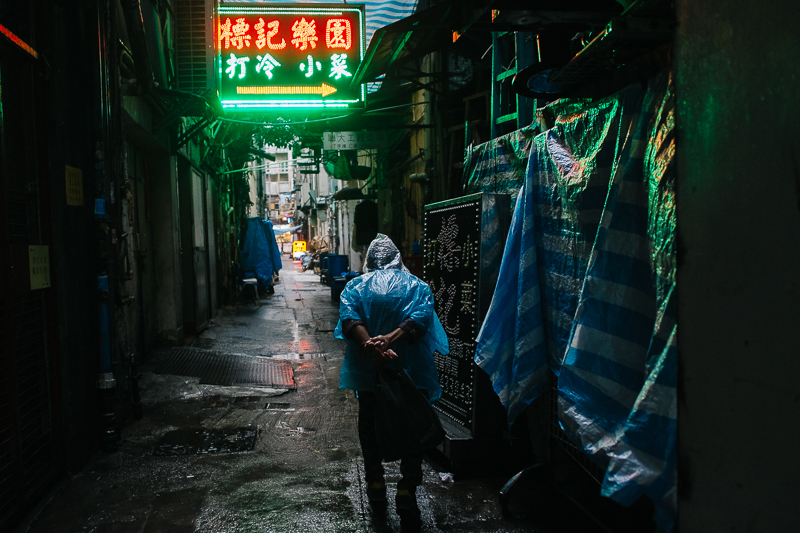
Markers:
<point>277,405</point>
<point>206,441</point>
<point>297,356</point>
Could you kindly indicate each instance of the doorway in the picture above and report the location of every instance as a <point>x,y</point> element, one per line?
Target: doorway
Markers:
<point>196,294</point>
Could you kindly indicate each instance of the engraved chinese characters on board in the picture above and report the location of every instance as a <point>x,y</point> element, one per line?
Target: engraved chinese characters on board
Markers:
<point>451,270</point>
<point>455,376</point>
<point>454,297</point>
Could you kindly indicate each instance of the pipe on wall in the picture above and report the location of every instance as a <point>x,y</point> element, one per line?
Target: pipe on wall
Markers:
<point>132,10</point>
<point>106,382</point>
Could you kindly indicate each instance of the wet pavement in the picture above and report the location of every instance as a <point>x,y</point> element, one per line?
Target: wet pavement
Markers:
<point>182,469</point>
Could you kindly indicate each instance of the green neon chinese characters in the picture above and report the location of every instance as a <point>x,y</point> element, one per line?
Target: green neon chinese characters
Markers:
<point>310,68</point>
<point>266,63</point>
<point>234,62</point>
<point>339,66</point>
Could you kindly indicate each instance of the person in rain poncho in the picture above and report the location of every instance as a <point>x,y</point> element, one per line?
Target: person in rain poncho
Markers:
<point>387,316</point>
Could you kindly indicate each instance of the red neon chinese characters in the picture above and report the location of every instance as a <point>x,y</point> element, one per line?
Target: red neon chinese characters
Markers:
<point>225,34</point>
<point>338,34</point>
<point>240,37</point>
<point>261,38</point>
<point>266,39</point>
<point>304,33</point>
<point>273,30</point>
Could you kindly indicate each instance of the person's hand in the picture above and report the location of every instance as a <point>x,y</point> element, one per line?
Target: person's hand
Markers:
<point>381,357</point>
<point>381,341</point>
<point>375,350</point>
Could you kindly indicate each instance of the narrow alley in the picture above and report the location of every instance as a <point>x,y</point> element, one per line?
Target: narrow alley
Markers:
<point>304,471</point>
<point>553,246</point>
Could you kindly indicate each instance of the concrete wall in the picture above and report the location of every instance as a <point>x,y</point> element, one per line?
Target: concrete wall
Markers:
<point>345,211</point>
<point>739,264</point>
<point>167,252</point>
<point>164,213</point>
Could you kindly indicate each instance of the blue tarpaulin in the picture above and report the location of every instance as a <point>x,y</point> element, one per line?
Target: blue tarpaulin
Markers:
<point>588,292</point>
<point>498,166</point>
<point>256,254</point>
<point>275,252</point>
<point>292,229</point>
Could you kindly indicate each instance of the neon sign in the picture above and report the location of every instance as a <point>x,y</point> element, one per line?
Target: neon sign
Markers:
<point>285,55</point>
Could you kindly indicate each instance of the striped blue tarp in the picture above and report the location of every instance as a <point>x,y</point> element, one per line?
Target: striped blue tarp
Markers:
<point>498,165</point>
<point>381,13</point>
<point>588,290</point>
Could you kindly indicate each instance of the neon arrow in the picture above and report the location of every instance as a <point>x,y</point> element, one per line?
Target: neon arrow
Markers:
<point>323,90</point>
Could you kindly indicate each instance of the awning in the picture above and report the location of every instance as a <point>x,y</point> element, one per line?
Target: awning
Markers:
<point>418,35</point>
<point>286,230</point>
<point>349,193</point>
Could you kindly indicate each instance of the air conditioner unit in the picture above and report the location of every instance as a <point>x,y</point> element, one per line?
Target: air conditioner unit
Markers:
<point>195,45</point>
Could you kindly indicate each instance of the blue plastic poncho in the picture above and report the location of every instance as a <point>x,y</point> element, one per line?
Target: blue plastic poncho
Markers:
<point>386,295</point>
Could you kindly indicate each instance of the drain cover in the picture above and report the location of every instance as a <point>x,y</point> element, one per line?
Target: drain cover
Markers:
<point>202,441</point>
<point>217,368</point>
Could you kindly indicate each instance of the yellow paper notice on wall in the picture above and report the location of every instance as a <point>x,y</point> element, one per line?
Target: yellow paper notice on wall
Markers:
<point>74,185</point>
<point>39,260</point>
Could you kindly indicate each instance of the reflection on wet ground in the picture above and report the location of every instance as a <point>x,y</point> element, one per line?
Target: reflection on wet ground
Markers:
<point>186,441</point>
<point>277,461</point>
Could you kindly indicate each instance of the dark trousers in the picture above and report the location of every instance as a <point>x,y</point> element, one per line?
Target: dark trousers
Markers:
<point>410,466</point>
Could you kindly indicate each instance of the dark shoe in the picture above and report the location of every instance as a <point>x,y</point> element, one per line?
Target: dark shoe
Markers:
<point>408,510</point>
<point>376,493</point>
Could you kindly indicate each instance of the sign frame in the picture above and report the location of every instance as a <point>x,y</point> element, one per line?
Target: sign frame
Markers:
<point>355,140</point>
<point>464,243</point>
<point>276,49</point>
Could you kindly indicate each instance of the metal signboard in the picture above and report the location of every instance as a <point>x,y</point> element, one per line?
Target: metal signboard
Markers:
<point>355,140</point>
<point>464,240</point>
<point>289,55</point>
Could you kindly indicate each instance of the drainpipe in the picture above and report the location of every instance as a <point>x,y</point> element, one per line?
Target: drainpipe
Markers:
<point>134,23</point>
<point>106,383</point>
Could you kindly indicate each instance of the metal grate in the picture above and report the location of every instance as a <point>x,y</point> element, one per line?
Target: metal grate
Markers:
<point>217,368</point>
<point>36,432</point>
<point>8,481</point>
<point>192,51</point>
<point>27,447</point>
<point>27,441</point>
<point>558,436</point>
<point>21,176</point>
